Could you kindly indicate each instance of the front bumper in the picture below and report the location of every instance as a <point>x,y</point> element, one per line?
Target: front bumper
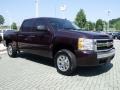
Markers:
<point>106,54</point>
<point>91,58</point>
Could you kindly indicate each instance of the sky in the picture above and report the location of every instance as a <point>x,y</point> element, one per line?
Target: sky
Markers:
<point>18,10</point>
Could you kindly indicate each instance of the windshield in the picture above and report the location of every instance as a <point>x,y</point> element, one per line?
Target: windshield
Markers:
<point>63,24</point>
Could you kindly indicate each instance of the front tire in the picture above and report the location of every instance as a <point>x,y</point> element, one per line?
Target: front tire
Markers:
<point>12,52</point>
<point>65,62</point>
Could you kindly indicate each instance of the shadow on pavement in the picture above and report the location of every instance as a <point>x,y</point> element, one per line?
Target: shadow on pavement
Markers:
<point>81,71</point>
<point>37,59</point>
<point>93,71</point>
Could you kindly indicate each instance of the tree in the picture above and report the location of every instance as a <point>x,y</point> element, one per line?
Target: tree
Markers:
<point>80,19</point>
<point>113,21</point>
<point>89,25</point>
<point>105,25</point>
<point>99,25</point>
<point>2,20</point>
<point>14,26</point>
<point>117,25</point>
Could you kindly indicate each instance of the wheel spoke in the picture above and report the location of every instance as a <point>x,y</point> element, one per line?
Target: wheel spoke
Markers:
<point>10,50</point>
<point>63,63</point>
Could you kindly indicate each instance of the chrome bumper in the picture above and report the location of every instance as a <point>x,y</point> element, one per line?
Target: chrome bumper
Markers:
<point>107,54</point>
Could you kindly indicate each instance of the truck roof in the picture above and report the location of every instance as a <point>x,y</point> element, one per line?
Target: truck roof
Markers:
<point>43,18</point>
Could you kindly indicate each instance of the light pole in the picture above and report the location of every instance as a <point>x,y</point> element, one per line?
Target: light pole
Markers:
<point>37,8</point>
<point>63,9</point>
<point>108,20</point>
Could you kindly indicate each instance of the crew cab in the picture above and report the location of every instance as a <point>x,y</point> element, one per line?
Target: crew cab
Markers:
<point>63,41</point>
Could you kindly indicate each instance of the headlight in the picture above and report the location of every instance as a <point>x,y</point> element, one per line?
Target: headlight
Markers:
<point>85,44</point>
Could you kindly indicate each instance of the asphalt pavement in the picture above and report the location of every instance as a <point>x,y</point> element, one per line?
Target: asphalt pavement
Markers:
<point>31,72</point>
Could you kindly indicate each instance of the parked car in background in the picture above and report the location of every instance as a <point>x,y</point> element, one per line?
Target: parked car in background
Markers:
<point>116,35</point>
<point>2,34</point>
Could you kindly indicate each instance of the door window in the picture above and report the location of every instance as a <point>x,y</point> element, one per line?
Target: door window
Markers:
<point>40,23</point>
<point>27,25</point>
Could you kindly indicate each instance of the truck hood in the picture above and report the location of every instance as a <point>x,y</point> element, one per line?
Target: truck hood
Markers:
<point>86,34</point>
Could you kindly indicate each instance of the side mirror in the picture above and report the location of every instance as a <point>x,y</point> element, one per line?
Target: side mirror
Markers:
<point>41,28</point>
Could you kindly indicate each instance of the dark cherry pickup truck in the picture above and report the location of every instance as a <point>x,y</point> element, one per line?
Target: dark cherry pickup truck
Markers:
<point>60,39</point>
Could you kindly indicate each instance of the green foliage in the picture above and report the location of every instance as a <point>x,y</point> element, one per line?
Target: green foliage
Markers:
<point>80,19</point>
<point>2,20</point>
<point>4,27</point>
<point>115,23</point>
<point>89,26</point>
<point>99,25</point>
<point>105,25</point>
<point>14,26</point>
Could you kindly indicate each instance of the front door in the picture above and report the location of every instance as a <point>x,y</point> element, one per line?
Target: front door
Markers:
<point>41,39</point>
<point>24,35</point>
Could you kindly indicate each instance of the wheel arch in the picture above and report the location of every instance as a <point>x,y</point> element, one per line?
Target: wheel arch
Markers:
<point>8,41</point>
<point>60,46</point>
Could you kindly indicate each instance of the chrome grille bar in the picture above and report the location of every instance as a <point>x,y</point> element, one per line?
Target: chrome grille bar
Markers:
<point>103,45</point>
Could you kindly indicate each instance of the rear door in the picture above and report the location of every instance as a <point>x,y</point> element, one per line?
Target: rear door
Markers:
<point>35,41</point>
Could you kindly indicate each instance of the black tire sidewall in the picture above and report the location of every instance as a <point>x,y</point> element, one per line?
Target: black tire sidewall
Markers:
<point>14,52</point>
<point>72,66</point>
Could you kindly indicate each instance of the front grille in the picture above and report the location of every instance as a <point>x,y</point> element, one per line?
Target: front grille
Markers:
<point>103,45</point>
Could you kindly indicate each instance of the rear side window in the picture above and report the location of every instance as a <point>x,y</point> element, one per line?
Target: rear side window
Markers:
<point>39,22</point>
<point>56,24</point>
<point>27,25</point>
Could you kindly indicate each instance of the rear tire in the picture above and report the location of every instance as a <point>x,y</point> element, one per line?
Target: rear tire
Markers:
<point>65,62</point>
<point>12,52</point>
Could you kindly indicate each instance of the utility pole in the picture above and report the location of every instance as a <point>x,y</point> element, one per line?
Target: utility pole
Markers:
<point>63,9</point>
<point>108,20</point>
<point>37,8</point>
